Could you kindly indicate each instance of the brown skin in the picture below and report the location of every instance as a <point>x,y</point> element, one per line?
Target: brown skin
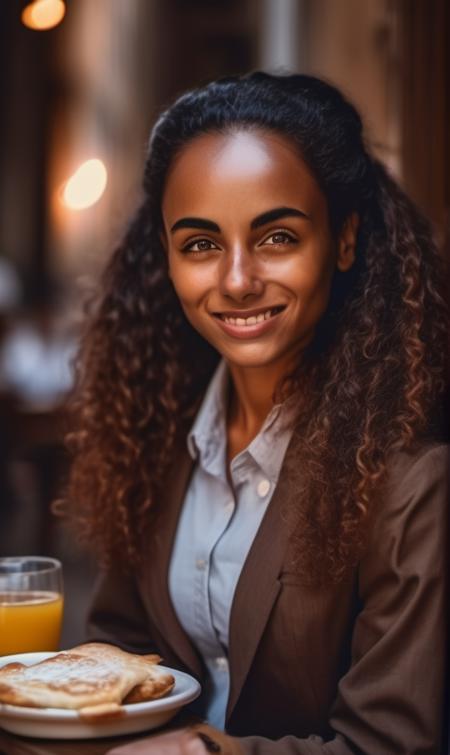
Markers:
<point>230,180</point>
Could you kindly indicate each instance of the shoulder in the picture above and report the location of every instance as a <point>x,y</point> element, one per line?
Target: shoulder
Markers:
<point>430,459</point>
<point>408,526</point>
<point>414,478</point>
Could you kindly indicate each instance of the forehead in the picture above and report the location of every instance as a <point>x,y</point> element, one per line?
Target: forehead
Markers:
<point>248,171</point>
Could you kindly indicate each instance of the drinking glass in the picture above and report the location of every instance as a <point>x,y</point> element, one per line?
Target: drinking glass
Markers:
<point>31,604</point>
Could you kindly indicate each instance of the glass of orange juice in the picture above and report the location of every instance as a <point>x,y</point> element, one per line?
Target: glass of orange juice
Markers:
<point>31,604</point>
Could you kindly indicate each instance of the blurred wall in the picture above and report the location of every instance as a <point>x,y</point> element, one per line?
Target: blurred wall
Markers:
<point>357,46</point>
<point>425,136</point>
<point>106,61</point>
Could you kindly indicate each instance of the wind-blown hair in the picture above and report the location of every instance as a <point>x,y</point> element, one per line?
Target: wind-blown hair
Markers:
<point>370,382</point>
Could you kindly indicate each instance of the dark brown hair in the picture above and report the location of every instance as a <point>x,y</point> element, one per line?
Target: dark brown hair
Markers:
<point>370,382</point>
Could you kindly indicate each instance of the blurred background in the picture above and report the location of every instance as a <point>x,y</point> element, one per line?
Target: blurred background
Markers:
<point>81,82</point>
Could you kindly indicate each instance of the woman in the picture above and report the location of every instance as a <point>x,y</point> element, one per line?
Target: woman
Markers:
<point>258,456</point>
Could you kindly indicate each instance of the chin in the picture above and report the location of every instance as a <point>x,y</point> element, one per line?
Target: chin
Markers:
<point>242,359</point>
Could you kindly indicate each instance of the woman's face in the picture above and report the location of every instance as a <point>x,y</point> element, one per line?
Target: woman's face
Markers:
<point>249,246</point>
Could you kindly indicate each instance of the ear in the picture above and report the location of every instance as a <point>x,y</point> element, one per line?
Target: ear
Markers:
<point>347,243</point>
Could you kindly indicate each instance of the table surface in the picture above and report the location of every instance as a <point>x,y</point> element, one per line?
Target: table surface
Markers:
<point>10,744</point>
<point>13,745</point>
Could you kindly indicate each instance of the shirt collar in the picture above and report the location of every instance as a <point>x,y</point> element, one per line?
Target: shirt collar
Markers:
<point>207,437</point>
<point>269,446</point>
<point>209,425</point>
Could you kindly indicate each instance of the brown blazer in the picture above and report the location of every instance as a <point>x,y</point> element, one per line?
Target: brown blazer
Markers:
<point>355,668</point>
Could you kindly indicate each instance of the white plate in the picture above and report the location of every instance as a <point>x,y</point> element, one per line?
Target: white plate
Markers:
<point>56,723</point>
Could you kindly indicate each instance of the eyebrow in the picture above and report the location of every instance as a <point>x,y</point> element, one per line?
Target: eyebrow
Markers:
<point>205,225</point>
<point>276,214</point>
<point>266,217</point>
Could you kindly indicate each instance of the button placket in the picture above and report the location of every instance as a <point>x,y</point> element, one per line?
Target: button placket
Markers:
<point>263,488</point>
<point>221,663</point>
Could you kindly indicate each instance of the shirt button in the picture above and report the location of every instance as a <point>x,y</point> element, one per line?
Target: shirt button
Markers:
<point>263,488</point>
<point>221,663</point>
<point>200,564</point>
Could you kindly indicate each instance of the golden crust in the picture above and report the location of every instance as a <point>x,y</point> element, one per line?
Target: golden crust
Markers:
<point>84,678</point>
<point>151,689</point>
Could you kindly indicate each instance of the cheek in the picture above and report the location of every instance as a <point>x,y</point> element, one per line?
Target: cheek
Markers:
<point>317,286</point>
<point>181,286</point>
<point>191,284</point>
<point>316,299</point>
<point>180,276</point>
<point>309,279</point>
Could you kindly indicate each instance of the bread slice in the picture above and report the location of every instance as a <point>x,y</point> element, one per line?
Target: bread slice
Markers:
<point>87,676</point>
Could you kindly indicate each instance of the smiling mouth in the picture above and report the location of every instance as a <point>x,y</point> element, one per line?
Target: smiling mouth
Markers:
<point>252,319</point>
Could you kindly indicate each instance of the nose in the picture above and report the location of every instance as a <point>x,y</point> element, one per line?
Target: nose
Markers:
<point>240,277</point>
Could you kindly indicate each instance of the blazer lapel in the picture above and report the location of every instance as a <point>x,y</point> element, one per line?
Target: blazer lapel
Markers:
<point>258,585</point>
<point>257,588</point>
<point>156,576</point>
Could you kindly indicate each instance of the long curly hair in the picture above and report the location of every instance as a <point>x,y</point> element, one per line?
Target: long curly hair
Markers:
<point>371,381</point>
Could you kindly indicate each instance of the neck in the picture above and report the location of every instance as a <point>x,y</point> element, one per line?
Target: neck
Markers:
<point>251,396</point>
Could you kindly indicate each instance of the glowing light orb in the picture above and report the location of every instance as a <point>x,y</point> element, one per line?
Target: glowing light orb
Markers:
<point>85,187</point>
<point>43,14</point>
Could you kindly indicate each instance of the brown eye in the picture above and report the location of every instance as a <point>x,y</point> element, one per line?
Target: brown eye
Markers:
<point>199,245</point>
<point>280,237</point>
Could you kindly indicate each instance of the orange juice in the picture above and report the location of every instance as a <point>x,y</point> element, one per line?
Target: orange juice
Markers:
<point>30,621</point>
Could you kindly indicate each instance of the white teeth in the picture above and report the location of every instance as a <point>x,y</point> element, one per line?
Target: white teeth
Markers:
<point>253,320</point>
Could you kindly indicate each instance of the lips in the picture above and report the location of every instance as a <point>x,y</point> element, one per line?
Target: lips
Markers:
<point>245,324</point>
<point>248,318</point>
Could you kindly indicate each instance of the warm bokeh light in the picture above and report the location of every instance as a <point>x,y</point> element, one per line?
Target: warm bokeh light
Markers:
<point>86,186</point>
<point>43,14</point>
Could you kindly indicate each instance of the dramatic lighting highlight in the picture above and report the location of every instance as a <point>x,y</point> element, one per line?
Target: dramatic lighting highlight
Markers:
<point>86,186</point>
<point>43,14</point>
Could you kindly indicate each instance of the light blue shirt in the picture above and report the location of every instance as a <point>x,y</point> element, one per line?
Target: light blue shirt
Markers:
<point>217,526</point>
